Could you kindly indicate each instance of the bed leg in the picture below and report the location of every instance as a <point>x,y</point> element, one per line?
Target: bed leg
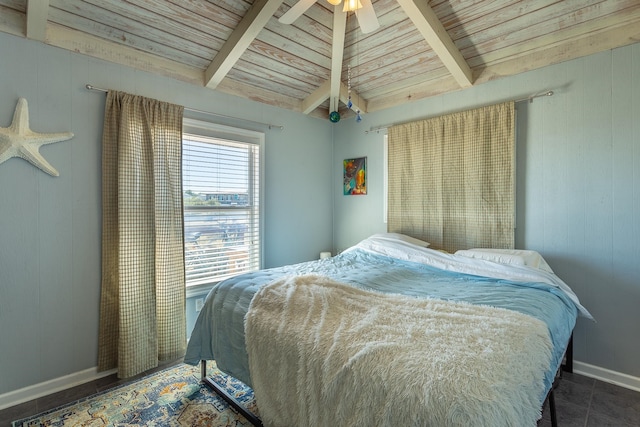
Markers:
<point>233,402</point>
<point>203,369</point>
<point>568,364</point>
<point>552,409</point>
<point>215,387</point>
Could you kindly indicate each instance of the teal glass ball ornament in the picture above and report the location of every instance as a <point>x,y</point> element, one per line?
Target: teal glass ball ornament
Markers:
<point>334,117</point>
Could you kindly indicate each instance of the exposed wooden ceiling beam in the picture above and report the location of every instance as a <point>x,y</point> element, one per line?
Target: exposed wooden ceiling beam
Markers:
<point>317,97</point>
<point>313,101</point>
<point>435,34</point>
<point>247,30</point>
<point>337,54</point>
<point>37,13</point>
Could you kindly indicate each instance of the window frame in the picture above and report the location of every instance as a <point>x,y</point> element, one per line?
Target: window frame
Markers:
<point>207,129</point>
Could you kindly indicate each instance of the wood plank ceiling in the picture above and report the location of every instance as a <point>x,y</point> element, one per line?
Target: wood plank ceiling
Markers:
<point>421,49</point>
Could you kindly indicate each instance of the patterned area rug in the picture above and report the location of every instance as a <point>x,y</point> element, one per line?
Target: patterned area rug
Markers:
<point>172,397</point>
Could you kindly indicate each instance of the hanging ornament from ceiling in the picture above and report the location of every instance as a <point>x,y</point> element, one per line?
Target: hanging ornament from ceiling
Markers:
<point>349,103</point>
<point>334,117</point>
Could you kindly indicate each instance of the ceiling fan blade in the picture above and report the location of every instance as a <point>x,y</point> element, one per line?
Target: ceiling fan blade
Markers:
<point>367,17</point>
<point>296,11</point>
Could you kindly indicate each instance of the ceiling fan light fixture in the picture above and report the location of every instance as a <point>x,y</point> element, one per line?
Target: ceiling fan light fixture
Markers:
<point>351,5</point>
<point>334,2</point>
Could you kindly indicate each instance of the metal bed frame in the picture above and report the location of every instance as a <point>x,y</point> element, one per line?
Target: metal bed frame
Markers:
<point>220,391</point>
<point>567,366</point>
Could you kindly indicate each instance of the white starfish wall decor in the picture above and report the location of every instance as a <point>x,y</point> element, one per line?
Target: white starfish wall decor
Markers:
<point>19,141</point>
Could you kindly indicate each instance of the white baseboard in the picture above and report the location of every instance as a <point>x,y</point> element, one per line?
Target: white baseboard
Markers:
<point>55,385</point>
<point>606,375</point>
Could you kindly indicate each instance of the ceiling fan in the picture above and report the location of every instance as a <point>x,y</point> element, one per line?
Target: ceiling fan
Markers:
<point>363,9</point>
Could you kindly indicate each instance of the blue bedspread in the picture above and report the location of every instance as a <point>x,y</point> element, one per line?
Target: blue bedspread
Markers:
<point>219,330</point>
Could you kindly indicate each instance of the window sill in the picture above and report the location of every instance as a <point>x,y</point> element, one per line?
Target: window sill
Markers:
<point>199,290</point>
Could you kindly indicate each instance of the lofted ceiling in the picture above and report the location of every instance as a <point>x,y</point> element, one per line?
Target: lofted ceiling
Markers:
<point>421,48</point>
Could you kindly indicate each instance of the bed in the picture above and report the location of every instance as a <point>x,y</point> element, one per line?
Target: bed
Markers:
<point>390,329</point>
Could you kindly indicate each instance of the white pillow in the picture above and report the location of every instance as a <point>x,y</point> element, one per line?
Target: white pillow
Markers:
<point>530,258</point>
<point>494,257</point>
<point>402,238</point>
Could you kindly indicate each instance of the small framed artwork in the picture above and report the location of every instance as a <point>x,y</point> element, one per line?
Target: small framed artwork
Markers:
<point>355,176</point>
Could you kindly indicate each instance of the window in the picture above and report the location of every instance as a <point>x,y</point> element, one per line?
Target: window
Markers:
<point>221,190</point>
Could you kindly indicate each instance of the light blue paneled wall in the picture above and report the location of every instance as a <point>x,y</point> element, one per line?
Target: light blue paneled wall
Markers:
<point>50,228</point>
<point>578,186</point>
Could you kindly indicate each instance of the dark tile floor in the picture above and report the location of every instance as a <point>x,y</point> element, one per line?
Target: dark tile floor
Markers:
<point>580,401</point>
<point>585,402</point>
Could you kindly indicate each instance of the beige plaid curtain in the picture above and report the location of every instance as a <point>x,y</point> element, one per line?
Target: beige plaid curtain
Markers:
<point>451,179</point>
<point>142,307</point>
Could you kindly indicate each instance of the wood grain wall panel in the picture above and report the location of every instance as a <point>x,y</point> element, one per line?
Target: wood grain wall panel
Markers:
<point>392,21</point>
<point>625,188</point>
<point>124,30</point>
<point>623,148</point>
<point>20,294</point>
<point>599,166</point>
<point>249,77</point>
<point>85,159</point>
<point>55,235</point>
<point>578,146</point>
<point>264,53</point>
<point>531,178</point>
<point>597,179</point>
<point>555,152</point>
<point>518,22</point>
<point>569,265</point>
<point>317,51</point>
<point>306,26</point>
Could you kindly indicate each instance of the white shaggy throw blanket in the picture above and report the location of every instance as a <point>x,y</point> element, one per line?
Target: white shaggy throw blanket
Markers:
<point>322,353</point>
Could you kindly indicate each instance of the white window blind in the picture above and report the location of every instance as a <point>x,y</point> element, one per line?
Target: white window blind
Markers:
<point>221,190</point>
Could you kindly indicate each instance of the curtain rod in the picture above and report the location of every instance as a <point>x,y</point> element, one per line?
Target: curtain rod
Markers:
<point>193,110</point>
<point>529,98</point>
